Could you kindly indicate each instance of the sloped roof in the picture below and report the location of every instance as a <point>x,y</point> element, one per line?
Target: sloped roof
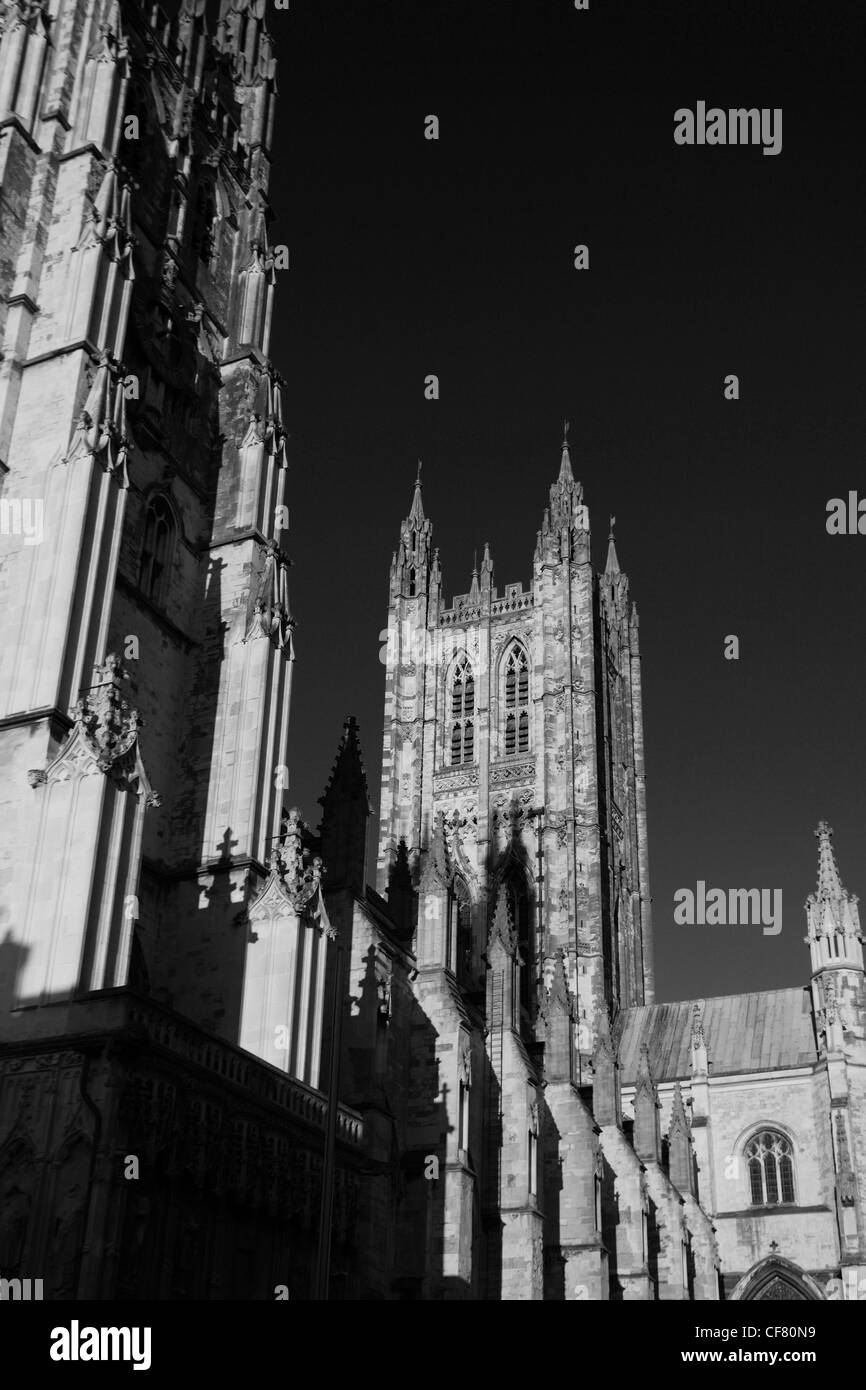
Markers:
<point>743,1032</point>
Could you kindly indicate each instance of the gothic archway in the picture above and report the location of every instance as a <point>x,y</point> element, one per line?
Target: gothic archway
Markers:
<point>774,1279</point>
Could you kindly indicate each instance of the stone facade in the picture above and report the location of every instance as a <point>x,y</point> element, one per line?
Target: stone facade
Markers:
<point>165,950</point>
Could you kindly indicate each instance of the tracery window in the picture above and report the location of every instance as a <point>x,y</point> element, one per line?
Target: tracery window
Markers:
<point>771,1169</point>
<point>462,713</point>
<point>516,701</point>
<point>156,549</point>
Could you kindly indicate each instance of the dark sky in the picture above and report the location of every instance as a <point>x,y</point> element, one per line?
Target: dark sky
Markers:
<point>410,257</point>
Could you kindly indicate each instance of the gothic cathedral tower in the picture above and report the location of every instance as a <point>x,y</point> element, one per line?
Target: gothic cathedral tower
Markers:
<point>146,625</point>
<point>513,790</point>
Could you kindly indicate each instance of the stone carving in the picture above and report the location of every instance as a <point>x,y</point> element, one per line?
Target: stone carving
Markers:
<point>559,821</point>
<point>108,724</point>
<point>104,738</point>
<point>830,1002</point>
<point>383,991</point>
<point>461,832</point>
<point>271,616</point>
<point>512,772</point>
<point>510,814</point>
<point>101,432</point>
<point>17,13</point>
<point>459,780</point>
<point>294,882</point>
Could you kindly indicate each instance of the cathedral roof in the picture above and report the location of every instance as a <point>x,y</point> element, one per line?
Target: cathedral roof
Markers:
<point>744,1033</point>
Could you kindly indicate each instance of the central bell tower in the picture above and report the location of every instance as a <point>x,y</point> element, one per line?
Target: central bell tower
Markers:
<point>513,780</point>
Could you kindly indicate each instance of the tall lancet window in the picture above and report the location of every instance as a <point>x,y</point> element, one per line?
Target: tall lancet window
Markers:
<point>156,550</point>
<point>462,713</point>
<point>516,700</point>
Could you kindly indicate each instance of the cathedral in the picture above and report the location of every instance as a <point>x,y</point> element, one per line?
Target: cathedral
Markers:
<point>230,1067</point>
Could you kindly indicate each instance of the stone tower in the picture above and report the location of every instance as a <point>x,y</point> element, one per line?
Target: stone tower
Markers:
<point>146,634</point>
<point>513,779</point>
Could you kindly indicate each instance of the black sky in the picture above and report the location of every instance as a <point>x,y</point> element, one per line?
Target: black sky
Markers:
<point>411,257</point>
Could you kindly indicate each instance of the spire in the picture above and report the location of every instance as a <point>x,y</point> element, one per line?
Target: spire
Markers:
<point>647,1133</point>
<point>474,590</point>
<point>612,566</point>
<point>831,913</point>
<point>486,568</point>
<point>346,809</point>
<point>606,1099</point>
<point>566,477</point>
<point>416,515</point>
<point>565,497</point>
<point>559,1017</point>
<point>680,1162</point>
<point>829,883</point>
<point>409,578</point>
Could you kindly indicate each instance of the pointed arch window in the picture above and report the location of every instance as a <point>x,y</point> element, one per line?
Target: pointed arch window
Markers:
<point>515,700</point>
<point>156,550</point>
<point>459,943</point>
<point>204,222</point>
<point>770,1162</point>
<point>462,697</point>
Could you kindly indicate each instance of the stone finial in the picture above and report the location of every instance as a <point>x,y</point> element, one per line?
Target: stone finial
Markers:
<point>679,1145</point>
<point>606,1099</point>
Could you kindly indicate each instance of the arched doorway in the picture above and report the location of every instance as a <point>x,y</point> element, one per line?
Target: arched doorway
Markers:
<point>774,1279</point>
